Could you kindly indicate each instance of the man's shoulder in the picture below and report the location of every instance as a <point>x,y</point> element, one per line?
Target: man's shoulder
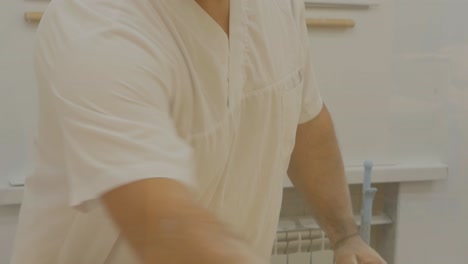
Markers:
<point>103,31</point>
<point>83,20</point>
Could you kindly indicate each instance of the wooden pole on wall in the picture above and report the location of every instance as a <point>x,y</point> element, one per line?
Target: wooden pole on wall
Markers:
<point>330,23</point>
<point>35,17</point>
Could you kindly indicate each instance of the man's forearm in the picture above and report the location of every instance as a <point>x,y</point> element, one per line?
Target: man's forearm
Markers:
<point>316,169</point>
<point>163,224</point>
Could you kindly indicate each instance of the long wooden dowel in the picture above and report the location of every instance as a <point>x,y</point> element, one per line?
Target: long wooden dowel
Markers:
<point>330,23</point>
<point>35,17</point>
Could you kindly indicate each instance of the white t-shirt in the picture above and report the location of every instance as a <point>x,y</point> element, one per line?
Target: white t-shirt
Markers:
<point>131,90</point>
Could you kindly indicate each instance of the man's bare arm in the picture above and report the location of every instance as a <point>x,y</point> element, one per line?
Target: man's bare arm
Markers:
<point>163,224</point>
<point>316,169</point>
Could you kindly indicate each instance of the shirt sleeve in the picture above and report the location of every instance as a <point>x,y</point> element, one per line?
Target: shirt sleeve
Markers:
<point>113,106</point>
<point>311,99</point>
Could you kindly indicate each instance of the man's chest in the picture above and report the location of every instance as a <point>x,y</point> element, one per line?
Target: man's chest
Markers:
<point>218,74</point>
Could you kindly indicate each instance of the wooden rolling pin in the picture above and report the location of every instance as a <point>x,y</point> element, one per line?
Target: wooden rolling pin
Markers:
<point>330,23</point>
<point>35,17</point>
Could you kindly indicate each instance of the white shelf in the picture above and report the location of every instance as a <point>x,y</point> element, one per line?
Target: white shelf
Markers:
<point>394,173</point>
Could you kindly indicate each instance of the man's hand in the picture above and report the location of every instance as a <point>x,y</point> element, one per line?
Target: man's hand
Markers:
<point>355,251</point>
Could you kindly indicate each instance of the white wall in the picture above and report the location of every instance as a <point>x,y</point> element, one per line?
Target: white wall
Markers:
<point>17,89</point>
<point>375,80</point>
<point>398,88</point>
<point>434,216</point>
<point>17,105</point>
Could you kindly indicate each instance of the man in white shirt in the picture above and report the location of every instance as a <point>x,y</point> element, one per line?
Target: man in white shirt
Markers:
<point>165,129</point>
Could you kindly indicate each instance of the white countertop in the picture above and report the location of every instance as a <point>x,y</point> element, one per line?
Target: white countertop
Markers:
<point>395,173</point>
<point>10,195</point>
<point>380,174</point>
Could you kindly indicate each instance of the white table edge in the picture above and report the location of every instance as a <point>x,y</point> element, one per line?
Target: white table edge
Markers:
<point>381,174</point>
<point>394,173</point>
